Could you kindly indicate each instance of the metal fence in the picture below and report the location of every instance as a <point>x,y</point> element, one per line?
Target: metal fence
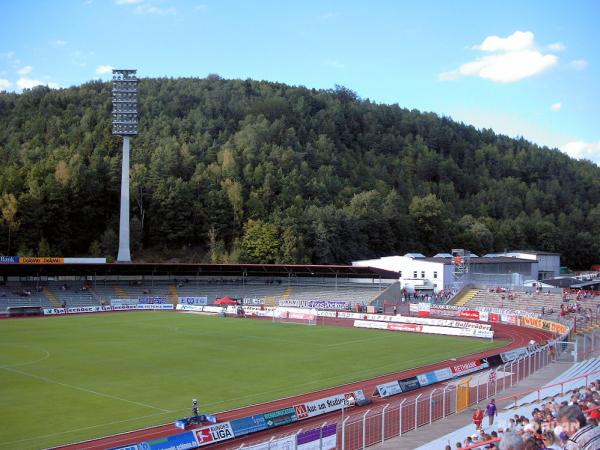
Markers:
<point>394,419</point>
<point>382,422</point>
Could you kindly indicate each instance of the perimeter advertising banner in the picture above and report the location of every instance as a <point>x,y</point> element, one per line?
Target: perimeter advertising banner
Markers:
<point>328,404</point>
<point>409,384</point>
<point>213,433</point>
<point>247,425</point>
<point>40,260</point>
<point>324,438</point>
<point>280,417</point>
<point>511,355</point>
<point>319,304</point>
<point>54,311</point>
<point>9,260</point>
<point>200,301</point>
<point>543,324</point>
<point>469,367</point>
<point>182,441</point>
<point>388,389</point>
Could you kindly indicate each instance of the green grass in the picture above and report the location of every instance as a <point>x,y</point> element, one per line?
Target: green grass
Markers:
<point>64,379</point>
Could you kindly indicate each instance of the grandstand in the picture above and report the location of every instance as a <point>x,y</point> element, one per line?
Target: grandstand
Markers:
<point>547,398</point>
<point>52,285</point>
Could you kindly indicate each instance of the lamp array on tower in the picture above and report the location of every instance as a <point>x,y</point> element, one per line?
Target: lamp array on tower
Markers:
<point>124,101</point>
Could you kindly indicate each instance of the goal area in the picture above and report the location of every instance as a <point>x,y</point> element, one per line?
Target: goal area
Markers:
<point>297,316</point>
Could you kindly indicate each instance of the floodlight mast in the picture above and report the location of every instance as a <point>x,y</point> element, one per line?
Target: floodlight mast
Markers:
<point>124,123</point>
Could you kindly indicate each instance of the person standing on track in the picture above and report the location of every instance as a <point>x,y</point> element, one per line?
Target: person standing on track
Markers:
<point>491,411</point>
<point>478,418</point>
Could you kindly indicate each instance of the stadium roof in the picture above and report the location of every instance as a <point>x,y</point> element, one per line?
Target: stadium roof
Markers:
<point>189,269</point>
<point>487,260</point>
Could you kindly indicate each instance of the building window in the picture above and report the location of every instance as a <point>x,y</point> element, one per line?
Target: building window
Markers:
<point>415,274</point>
<point>400,274</point>
<point>434,274</point>
<point>422,274</point>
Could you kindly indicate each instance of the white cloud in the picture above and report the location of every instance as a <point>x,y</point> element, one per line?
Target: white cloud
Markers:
<point>59,43</point>
<point>200,7</point>
<point>583,150</point>
<point>505,67</point>
<point>556,106</point>
<point>127,2</point>
<point>333,63</point>
<point>557,47</point>
<point>4,84</point>
<point>104,69</point>
<point>146,8</point>
<point>578,64</point>
<point>28,83</point>
<point>514,58</point>
<point>519,40</point>
<point>25,70</point>
<point>88,2</point>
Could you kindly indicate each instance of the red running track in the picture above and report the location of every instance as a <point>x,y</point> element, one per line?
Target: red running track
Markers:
<point>518,337</point>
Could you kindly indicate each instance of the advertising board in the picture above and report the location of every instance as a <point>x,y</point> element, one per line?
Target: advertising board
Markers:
<point>196,308</point>
<point>280,417</point>
<point>319,304</point>
<point>213,433</point>
<point>247,425</point>
<point>469,367</point>
<point>182,441</point>
<point>388,389</point>
<point>9,260</point>
<point>409,384</point>
<point>324,438</point>
<point>152,300</point>
<point>201,301</point>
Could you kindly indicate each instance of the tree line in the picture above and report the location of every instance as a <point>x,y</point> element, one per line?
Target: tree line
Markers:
<point>255,171</point>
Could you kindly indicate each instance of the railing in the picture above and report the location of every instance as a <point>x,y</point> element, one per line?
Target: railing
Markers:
<point>383,422</point>
<point>539,390</point>
<point>393,419</point>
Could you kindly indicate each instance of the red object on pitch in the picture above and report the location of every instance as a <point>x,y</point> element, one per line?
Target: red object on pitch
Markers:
<point>225,301</point>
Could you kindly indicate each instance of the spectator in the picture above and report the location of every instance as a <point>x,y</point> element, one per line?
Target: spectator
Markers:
<point>491,411</point>
<point>580,434</point>
<point>550,440</point>
<point>511,441</point>
<point>478,417</point>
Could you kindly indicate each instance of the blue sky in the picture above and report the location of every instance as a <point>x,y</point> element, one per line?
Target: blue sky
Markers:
<point>523,68</point>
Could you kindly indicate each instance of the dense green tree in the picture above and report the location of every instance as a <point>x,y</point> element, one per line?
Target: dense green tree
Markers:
<point>260,242</point>
<point>339,177</point>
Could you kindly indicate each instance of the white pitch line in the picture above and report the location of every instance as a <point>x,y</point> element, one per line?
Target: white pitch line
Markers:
<point>41,436</point>
<point>46,356</point>
<point>79,388</point>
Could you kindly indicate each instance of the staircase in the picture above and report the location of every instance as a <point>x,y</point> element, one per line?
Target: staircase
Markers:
<point>287,293</point>
<point>50,296</point>
<point>173,296</point>
<point>122,292</point>
<point>465,297</point>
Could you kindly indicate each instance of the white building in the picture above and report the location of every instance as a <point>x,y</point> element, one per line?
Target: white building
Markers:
<point>418,272</point>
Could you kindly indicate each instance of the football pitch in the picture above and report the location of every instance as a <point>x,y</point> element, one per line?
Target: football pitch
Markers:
<point>70,378</point>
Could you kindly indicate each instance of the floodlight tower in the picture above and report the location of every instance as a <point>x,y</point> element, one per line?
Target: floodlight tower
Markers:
<point>124,123</point>
<point>460,261</point>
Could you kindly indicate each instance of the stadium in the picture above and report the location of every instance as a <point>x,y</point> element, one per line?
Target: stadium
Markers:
<point>151,337</point>
<point>267,305</point>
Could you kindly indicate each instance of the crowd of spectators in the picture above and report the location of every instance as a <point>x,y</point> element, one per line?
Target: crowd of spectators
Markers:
<point>571,424</point>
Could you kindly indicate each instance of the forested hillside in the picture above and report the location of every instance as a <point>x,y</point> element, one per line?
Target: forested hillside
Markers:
<point>253,171</point>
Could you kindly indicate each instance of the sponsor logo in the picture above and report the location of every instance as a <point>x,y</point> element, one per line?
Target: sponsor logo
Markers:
<point>214,433</point>
<point>37,260</point>
<point>9,259</point>
<point>301,411</point>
